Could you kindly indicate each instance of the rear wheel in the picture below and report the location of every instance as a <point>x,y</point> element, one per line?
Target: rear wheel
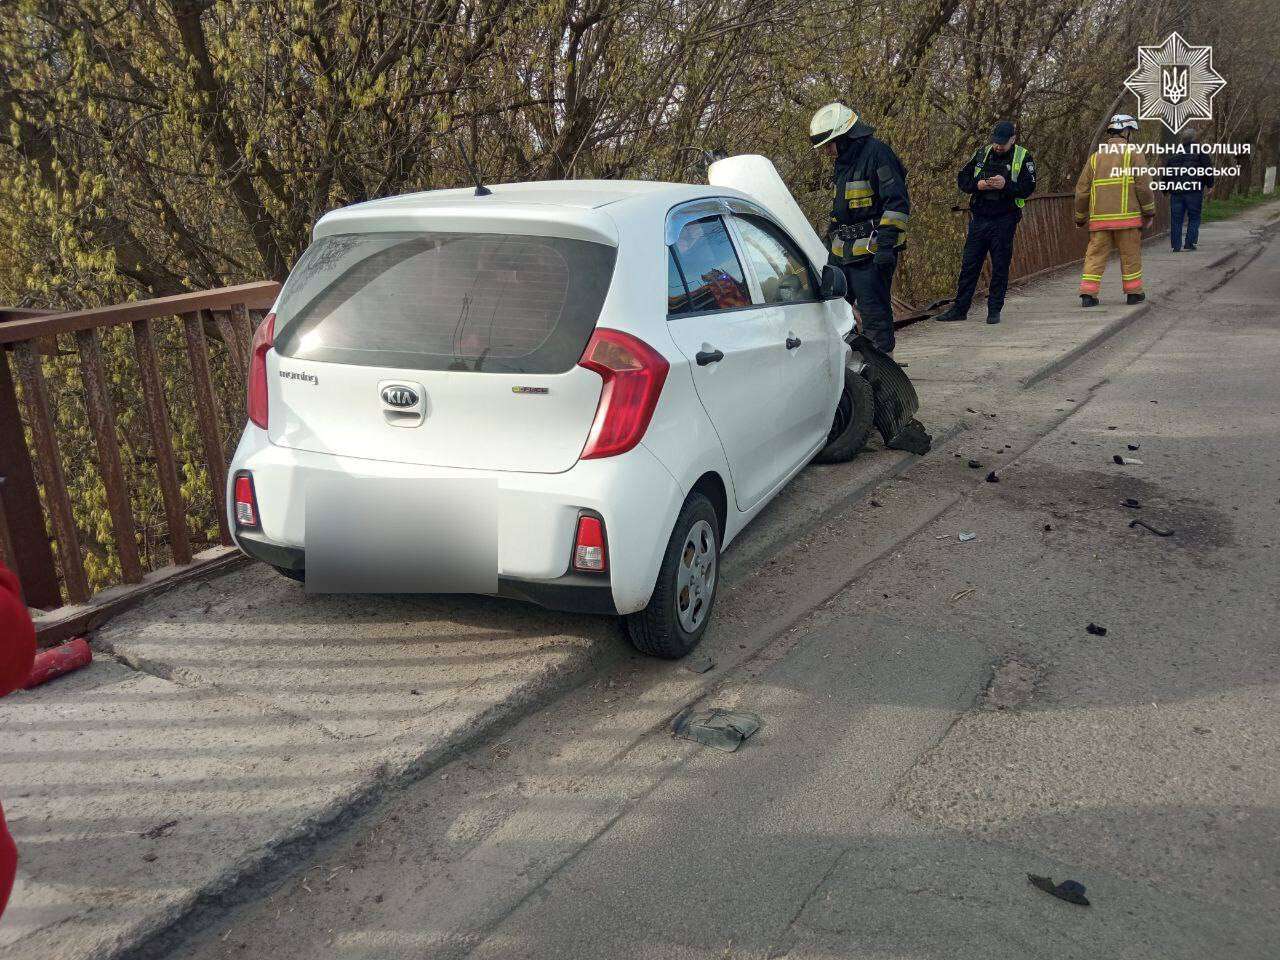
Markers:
<point>680,608</point>
<point>855,413</point>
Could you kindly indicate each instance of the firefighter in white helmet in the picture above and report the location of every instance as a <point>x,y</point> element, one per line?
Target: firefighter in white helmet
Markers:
<point>869,213</point>
<point>1114,197</point>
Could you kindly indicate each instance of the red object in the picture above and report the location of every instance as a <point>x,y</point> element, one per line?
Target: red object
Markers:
<point>246,502</point>
<point>589,553</point>
<point>17,650</point>
<point>633,374</point>
<point>56,661</point>
<point>264,339</point>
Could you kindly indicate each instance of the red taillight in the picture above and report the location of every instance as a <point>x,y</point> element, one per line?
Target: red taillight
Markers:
<point>246,502</point>
<point>633,375</point>
<point>589,553</point>
<point>263,339</point>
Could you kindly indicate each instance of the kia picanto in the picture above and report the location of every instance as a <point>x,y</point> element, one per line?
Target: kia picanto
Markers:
<point>570,393</point>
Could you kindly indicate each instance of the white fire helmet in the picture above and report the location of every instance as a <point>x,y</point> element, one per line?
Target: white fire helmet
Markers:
<point>829,122</point>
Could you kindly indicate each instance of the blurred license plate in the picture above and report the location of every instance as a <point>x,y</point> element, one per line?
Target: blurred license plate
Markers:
<point>378,535</point>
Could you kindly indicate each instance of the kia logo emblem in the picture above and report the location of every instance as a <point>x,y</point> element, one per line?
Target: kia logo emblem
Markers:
<point>399,396</point>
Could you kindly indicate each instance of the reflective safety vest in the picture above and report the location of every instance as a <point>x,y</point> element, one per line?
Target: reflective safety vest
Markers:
<point>1019,154</point>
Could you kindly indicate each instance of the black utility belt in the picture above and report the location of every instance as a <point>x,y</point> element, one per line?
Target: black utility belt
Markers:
<point>853,231</point>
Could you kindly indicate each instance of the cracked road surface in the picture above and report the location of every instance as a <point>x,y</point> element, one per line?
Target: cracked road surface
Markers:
<point>938,723</point>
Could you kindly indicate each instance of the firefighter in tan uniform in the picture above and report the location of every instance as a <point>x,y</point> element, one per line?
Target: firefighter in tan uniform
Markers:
<point>1116,201</point>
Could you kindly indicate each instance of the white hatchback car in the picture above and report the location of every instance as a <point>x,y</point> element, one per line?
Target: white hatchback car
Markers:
<point>597,384</point>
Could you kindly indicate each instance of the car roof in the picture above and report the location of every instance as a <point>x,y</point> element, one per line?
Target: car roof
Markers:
<point>582,194</point>
<point>536,207</point>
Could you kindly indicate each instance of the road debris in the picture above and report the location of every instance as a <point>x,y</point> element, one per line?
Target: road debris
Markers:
<point>1126,461</point>
<point>975,465</point>
<point>1156,530</point>
<point>155,833</point>
<point>1071,891</point>
<point>992,478</point>
<point>966,536</point>
<point>724,730</point>
<point>1131,503</point>
<point>1133,446</point>
<point>963,593</point>
<point>1048,527</point>
<point>1096,630</point>
<point>911,438</point>
<point>699,665</point>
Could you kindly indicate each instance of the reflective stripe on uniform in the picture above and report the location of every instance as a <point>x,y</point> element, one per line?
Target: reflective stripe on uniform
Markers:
<point>861,247</point>
<point>892,218</point>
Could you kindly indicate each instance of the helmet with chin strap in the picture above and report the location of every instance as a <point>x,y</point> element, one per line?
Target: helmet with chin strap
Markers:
<point>831,121</point>
<point>1122,123</point>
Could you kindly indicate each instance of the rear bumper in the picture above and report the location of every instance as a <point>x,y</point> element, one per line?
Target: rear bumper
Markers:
<point>537,516</point>
<point>573,593</point>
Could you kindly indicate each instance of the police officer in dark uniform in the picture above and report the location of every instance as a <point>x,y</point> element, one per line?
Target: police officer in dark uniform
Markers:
<point>998,178</point>
<point>869,214</point>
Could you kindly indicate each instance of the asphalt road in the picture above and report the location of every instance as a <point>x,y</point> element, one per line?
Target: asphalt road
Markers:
<point>940,724</point>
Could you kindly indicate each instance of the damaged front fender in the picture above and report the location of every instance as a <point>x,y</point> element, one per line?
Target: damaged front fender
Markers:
<point>896,400</point>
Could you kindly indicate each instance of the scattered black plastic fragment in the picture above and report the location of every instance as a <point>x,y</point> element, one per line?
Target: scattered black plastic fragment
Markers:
<point>975,465</point>
<point>1113,428</point>
<point>1071,891</point>
<point>992,478</point>
<point>722,729</point>
<point>1096,630</point>
<point>1133,446</point>
<point>1048,527</point>
<point>1118,459</point>
<point>1156,530</point>
<point>913,438</point>
<point>699,665</point>
<point>1131,503</point>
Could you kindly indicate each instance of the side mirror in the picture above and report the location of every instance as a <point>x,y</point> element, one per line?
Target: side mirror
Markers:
<point>834,284</point>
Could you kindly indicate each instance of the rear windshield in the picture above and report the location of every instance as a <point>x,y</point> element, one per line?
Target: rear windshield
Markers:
<point>444,301</point>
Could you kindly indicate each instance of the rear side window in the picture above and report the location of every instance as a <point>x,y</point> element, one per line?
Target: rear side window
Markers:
<point>714,278</point>
<point>781,269</point>
<point>444,301</point>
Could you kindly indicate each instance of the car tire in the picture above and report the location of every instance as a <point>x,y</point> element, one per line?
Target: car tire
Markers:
<point>680,607</point>
<point>854,419</point>
<point>299,575</point>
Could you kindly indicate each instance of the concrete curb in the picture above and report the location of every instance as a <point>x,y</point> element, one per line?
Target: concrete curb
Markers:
<point>1075,353</point>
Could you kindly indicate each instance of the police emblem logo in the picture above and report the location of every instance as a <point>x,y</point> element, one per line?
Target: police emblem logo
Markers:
<point>1175,83</point>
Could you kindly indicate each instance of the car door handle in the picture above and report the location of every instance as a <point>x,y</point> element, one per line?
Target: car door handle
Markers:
<point>704,357</point>
<point>793,342</point>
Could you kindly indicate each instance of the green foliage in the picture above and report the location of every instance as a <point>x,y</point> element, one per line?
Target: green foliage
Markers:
<point>1221,208</point>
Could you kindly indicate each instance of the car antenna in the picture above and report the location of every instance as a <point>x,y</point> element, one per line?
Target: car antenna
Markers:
<point>481,189</point>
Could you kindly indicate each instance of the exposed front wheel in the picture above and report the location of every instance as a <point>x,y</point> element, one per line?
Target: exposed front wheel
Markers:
<point>680,608</point>
<point>855,414</point>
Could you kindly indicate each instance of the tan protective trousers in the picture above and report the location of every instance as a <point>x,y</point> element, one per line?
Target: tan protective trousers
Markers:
<point>1129,243</point>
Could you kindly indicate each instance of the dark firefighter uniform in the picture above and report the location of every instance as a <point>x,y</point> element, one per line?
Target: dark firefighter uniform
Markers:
<point>993,221</point>
<point>869,214</point>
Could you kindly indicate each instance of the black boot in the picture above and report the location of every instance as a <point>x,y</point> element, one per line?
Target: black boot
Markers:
<point>951,315</point>
<point>1191,246</point>
<point>1088,300</point>
<point>1133,298</point>
<point>993,316</point>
